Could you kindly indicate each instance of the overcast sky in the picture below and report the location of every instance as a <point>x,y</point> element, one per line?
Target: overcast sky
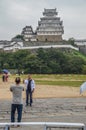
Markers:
<point>16,14</point>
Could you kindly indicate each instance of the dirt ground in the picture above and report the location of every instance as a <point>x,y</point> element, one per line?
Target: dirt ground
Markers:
<point>42,91</point>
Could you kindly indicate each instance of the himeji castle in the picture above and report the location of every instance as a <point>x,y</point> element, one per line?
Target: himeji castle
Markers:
<point>50,27</point>
<point>47,34</point>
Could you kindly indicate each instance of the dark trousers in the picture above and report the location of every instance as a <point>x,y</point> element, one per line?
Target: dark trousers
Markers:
<point>28,97</point>
<point>19,108</point>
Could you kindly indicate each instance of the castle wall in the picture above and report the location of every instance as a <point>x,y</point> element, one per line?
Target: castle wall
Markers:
<point>53,38</point>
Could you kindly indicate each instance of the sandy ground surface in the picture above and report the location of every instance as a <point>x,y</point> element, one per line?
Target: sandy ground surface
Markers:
<point>50,104</point>
<point>42,91</point>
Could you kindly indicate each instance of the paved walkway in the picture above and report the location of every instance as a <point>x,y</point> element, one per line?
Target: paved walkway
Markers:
<point>69,110</point>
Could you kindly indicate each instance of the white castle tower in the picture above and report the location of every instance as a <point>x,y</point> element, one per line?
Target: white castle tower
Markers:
<point>50,28</point>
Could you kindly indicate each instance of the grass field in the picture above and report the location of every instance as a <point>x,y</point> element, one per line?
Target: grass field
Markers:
<point>47,86</point>
<point>61,80</point>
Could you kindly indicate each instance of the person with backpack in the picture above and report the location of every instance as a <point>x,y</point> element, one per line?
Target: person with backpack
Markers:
<point>30,86</point>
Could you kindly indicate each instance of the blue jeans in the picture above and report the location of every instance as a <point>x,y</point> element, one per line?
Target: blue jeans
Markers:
<point>28,97</point>
<point>19,108</point>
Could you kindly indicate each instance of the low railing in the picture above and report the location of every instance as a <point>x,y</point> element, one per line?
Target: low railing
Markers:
<point>46,125</point>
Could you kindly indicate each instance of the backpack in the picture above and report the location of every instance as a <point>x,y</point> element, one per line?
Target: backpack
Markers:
<point>29,85</point>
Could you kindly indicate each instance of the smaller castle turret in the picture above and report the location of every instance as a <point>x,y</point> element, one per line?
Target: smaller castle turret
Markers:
<point>27,33</point>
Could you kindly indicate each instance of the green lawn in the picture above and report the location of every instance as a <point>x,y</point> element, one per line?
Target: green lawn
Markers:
<point>60,79</point>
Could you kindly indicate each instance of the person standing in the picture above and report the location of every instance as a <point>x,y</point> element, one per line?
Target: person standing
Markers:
<point>30,86</point>
<point>3,77</point>
<point>17,101</point>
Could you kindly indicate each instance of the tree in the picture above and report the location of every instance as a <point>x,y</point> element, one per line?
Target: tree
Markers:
<point>71,41</point>
<point>84,69</point>
<point>44,61</point>
<point>19,37</point>
<point>75,65</point>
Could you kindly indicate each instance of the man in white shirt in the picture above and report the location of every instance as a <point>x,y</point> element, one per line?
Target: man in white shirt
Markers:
<point>30,86</point>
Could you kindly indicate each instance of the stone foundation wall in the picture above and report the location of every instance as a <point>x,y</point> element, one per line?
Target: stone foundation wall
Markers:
<point>53,38</point>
